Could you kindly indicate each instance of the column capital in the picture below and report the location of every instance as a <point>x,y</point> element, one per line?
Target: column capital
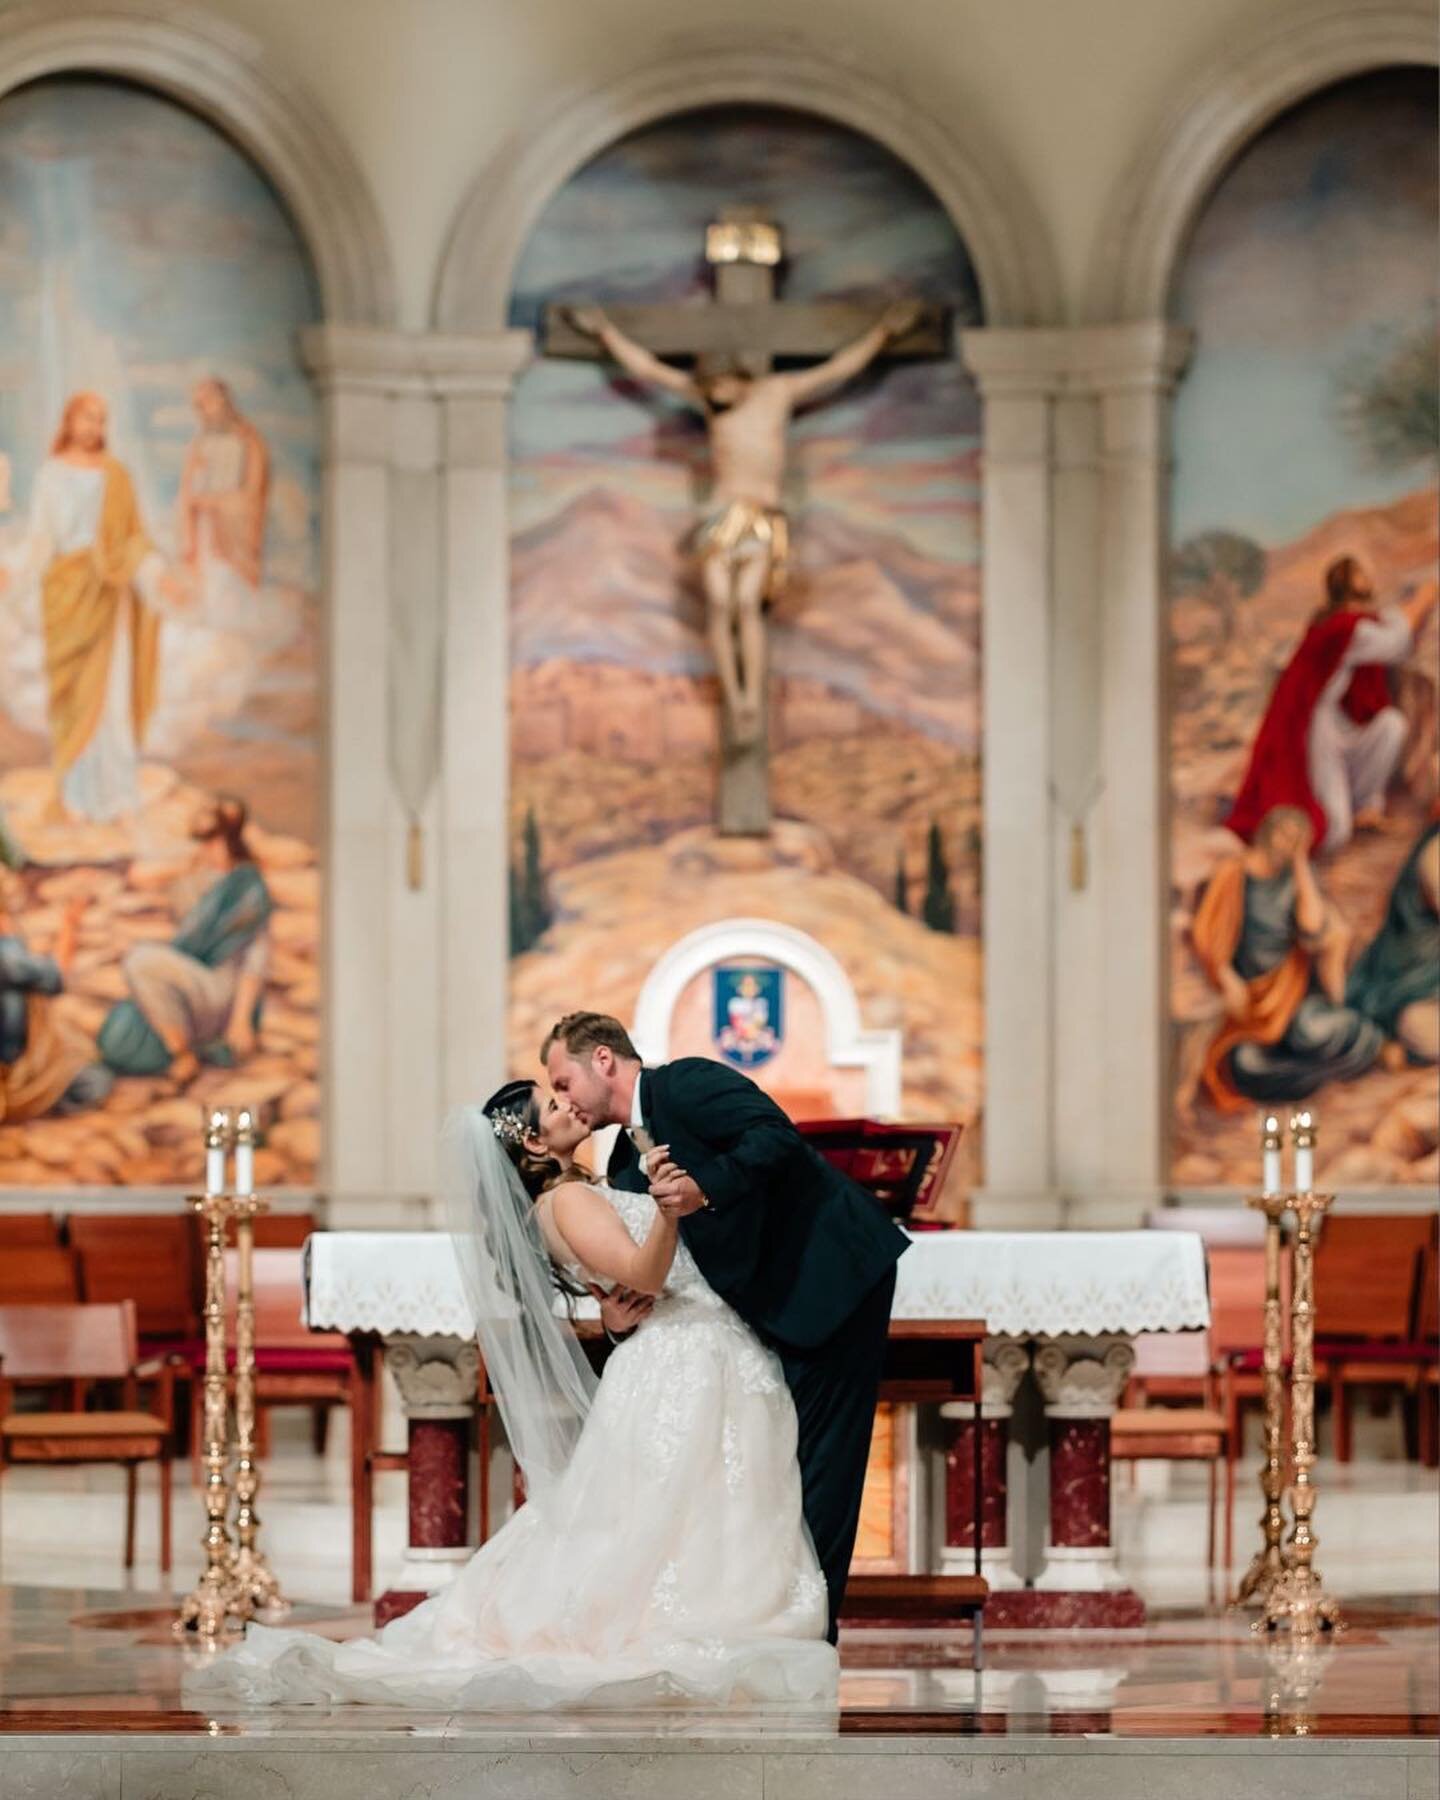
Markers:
<point>356,359</point>
<point>1083,1377</point>
<point>1086,359</point>
<point>436,1376</point>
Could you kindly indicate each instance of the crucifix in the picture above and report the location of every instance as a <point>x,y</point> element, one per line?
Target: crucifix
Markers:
<point>732,344</point>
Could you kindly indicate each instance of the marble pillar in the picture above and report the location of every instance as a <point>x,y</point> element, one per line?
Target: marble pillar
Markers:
<point>1004,1366</point>
<point>474,786</point>
<point>437,1378</point>
<point>1015,509</point>
<point>1081,1380</point>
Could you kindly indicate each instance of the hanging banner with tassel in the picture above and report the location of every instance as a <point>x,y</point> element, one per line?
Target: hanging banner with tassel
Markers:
<point>416,616</point>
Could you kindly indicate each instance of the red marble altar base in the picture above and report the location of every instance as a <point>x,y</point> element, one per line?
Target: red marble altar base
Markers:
<point>394,1603</point>
<point>1026,1609</point>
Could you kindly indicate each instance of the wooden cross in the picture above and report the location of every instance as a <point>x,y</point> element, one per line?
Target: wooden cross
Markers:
<point>745,325</point>
<point>746,328</point>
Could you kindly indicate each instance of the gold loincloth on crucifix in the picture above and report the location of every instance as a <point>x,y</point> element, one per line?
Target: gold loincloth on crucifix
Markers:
<point>742,528</point>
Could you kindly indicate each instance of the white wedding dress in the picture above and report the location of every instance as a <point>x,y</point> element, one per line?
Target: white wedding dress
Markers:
<point>670,1560</point>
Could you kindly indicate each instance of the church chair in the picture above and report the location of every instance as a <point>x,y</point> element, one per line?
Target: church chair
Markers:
<point>1237,1331</point>
<point>29,1231</point>
<point>284,1231</point>
<point>153,1259</point>
<point>38,1275</point>
<point>83,1344</point>
<point>1183,1433</point>
<point>1368,1297</point>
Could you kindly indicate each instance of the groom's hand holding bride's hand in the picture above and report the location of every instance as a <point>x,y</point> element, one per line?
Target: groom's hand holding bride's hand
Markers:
<point>673,1191</point>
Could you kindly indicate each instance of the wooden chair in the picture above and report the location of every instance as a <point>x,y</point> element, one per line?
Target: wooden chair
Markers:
<point>153,1259</point>
<point>38,1275</point>
<point>295,1366</point>
<point>79,1343</point>
<point>283,1231</point>
<point>29,1231</point>
<point>1185,1433</point>
<point>1237,1331</point>
<point>1427,1401</point>
<point>1367,1309</point>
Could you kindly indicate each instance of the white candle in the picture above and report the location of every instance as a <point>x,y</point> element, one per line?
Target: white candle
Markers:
<point>245,1152</point>
<point>1302,1127</point>
<point>1271,1156</point>
<point>215,1168</point>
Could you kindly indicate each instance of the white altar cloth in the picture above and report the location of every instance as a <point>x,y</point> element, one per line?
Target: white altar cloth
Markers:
<point>1021,1283</point>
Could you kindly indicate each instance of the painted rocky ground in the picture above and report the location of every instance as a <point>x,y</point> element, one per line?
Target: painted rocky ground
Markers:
<point>148,1133</point>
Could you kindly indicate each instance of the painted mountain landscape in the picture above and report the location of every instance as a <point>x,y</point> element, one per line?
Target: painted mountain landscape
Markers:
<point>1305,432</point>
<point>875,708</point>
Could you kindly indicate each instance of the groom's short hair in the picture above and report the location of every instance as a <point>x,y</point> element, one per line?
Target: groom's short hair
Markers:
<point>582,1032</point>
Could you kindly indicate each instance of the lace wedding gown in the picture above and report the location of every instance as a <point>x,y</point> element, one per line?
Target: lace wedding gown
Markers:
<point>669,1561</point>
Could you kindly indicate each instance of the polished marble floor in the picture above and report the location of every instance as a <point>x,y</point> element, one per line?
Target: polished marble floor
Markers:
<point>88,1669</point>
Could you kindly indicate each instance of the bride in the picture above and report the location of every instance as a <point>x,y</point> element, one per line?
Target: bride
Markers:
<point>661,1553</point>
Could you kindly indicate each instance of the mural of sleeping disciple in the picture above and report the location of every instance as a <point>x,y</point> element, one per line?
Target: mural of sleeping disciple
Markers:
<point>47,1064</point>
<point>1332,736</point>
<point>1396,982</point>
<point>1275,951</point>
<point>199,997</point>
<point>100,587</point>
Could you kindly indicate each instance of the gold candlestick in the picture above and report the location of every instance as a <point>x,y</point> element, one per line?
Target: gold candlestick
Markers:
<point>206,1609</point>
<point>253,1586</point>
<point>1298,1599</point>
<point>1268,1563</point>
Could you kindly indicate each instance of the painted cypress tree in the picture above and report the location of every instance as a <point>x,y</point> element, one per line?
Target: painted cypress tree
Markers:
<point>902,886</point>
<point>535,898</point>
<point>517,913</point>
<point>938,908</point>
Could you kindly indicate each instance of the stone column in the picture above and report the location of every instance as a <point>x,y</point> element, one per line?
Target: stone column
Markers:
<point>1013,371</point>
<point>415,517</point>
<point>1075,515</point>
<point>1081,1380</point>
<point>1134,386</point>
<point>437,1379</point>
<point>380,935</point>
<point>1006,1361</point>
<point>474,796</point>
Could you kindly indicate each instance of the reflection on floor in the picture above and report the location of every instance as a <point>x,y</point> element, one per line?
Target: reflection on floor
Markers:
<point>84,1659</point>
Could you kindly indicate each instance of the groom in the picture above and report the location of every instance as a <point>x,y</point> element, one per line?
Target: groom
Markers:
<point>801,1252</point>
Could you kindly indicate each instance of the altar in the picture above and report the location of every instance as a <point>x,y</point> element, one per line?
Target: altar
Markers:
<point>1061,1310</point>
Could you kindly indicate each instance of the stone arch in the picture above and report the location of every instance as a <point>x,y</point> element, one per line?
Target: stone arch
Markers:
<point>990,209</point>
<point>847,1043</point>
<point>224,76</point>
<point>1262,71</point>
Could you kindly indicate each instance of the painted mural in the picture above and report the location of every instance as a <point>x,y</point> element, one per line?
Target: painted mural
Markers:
<point>875,718</point>
<point>159,877</point>
<point>1306,836</point>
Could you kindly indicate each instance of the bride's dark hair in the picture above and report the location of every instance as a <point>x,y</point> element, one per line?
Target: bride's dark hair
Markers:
<point>514,1115</point>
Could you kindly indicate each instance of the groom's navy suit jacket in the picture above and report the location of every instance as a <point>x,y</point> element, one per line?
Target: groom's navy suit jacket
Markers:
<point>791,1243</point>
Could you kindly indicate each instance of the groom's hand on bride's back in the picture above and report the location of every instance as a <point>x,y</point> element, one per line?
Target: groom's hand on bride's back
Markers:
<point>621,1310</point>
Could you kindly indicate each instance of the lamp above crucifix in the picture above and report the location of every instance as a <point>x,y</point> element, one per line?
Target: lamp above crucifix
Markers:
<point>731,344</point>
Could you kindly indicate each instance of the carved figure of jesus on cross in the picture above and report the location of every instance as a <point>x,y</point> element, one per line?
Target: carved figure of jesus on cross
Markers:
<point>743,542</point>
